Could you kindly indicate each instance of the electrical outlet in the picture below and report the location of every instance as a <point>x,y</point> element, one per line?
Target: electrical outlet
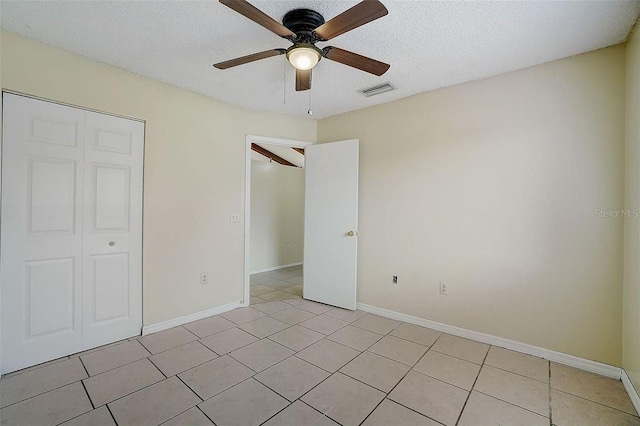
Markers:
<point>287,246</point>
<point>235,217</point>
<point>443,289</point>
<point>204,278</point>
<point>395,279</point>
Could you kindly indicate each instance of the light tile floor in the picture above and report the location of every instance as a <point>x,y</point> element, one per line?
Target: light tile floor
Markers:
<point>286,361</point>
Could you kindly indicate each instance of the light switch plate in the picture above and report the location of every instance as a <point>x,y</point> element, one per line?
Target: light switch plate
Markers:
<point>235,217</point>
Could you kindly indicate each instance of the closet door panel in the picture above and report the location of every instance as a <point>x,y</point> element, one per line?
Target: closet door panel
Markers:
<point>112,229</point>
<point>40,231</point>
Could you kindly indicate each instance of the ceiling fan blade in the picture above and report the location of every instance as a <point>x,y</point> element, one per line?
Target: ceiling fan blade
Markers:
<point>354,60</point>
<point>303,80</point>
<point>360,14</point>
<point>249,58</point>
<point>256,15</point>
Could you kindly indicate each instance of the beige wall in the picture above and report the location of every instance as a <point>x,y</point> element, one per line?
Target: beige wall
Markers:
<point>492,187</point>
<point>631,318</point>
<point>277,215</point>
<point>193,176</point>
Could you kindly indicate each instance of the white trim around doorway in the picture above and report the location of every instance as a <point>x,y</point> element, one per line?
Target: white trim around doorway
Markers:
<point>247,201</point>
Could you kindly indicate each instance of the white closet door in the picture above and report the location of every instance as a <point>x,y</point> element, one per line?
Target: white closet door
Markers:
<point>71,231</point>
<point>41,231</point>
<point>112,229</point>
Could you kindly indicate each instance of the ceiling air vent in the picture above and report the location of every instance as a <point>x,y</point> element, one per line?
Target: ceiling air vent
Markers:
<point>377,89</point>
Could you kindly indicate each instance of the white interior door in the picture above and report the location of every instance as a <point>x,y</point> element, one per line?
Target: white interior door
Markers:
<point>331,223</point>
<point>41,231</point>
<point>112,229</point>
<point>71,230</point>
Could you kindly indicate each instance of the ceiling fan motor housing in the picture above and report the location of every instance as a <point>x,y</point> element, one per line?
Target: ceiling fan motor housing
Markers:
<point>302,22</point>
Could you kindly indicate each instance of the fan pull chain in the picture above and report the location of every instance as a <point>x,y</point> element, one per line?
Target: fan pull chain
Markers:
<point>309,110</point>
<point>284,82</point>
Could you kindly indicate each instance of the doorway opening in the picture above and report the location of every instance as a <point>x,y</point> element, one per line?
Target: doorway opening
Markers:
<point>274,219</point>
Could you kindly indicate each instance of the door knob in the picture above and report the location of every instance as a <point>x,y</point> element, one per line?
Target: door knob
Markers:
<point>352,233</point>
<point>112,243</point>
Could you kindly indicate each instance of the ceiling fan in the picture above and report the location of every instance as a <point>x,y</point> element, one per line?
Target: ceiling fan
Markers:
<point>304,28</point>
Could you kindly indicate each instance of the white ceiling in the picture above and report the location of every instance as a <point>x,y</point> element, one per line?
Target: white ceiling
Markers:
<point>428,44</point>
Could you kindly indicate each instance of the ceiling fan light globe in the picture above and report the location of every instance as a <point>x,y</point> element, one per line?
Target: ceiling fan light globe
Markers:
<point>303,58</point>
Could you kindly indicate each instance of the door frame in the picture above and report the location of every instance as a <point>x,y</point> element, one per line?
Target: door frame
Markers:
<point>84,108</point>
<point>246,297</point>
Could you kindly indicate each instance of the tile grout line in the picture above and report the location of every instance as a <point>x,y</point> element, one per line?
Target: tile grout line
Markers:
<point>239,383</point>
<point>318,411</point>
<point>203,413</point>
<point>84,367</point>
<point>227,353</point>
<point>596,402</point>
<point>304,394</point>
<point>273,390</point>
<point>397,383</point>
<point>111,413</point>
<point>395,386</point>
<point>66,358</point>
<point>550,407</point>
<point>325,335</point>
<point>290,403</point>
<point>237,360</point>
<point>40,394</point>
<point>146,357</point>
<point>348,347</point>
<point>473,386</point>
<point>411,367</point>
<point>513,372</point>
<point>327,378</point>
<point>323,369</point>
<point>417,412</point>
<point>190,368</point>
<point>158,368</point>
<point>168,349</point>
<point>100,348</point>
<point>367,384</point>
<point>93,407</point>
<point>52,389</point>
<point>493,396</point>
<point>85,386</point>
<point>510,403</point>
<point>410,370</point>
<point>74,417</point>
<point>132,392</point>
<point>461,359</point>
<point>446,383</point>
<point>219,393</point>
<point>413,341</point>
<point>189,387</point>
<point>385,357</point>
<point>267,336</point>
<point>34,367</point>
<point>114,368</point>
<point>295,351</point>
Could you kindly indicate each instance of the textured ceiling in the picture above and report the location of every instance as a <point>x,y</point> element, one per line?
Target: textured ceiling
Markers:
<point>428,44</point>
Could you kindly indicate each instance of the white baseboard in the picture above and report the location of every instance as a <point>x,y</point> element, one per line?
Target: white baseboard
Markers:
<point>275,268</point>
<point>559,357</point>
<point>631,390</point>
<point>165,325</point>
